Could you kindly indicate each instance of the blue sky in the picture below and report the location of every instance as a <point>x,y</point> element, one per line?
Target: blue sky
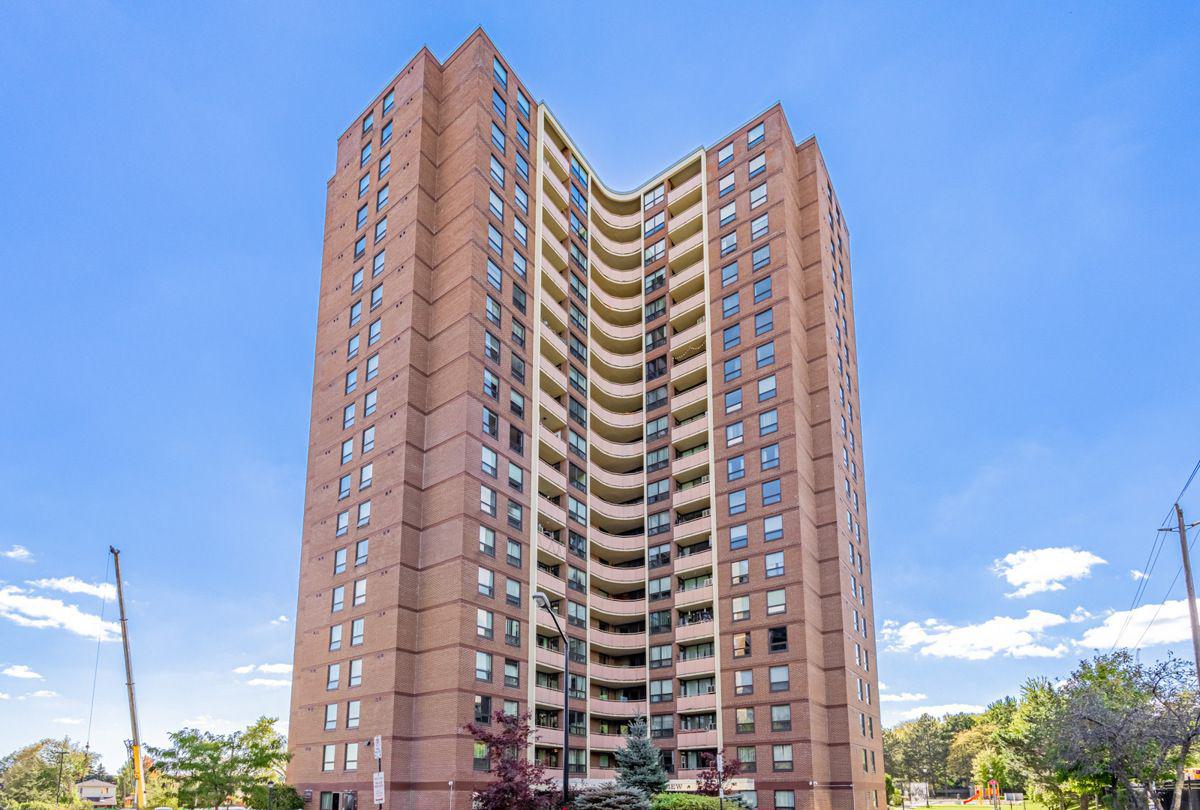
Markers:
<point>1022,185</point>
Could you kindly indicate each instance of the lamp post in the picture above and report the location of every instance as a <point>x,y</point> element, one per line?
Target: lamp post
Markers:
<point>270,794</point>
<point>544,602</point>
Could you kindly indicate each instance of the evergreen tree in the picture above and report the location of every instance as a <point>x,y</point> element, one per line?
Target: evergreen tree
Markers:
<point>639,762</point>
<point>610,797</point>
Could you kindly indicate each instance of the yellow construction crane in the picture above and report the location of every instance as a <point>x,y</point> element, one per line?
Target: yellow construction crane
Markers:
<point>139,791</point>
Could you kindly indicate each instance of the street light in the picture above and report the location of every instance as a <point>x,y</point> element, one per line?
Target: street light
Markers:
<point>544,601</point>
<point>270,794</point>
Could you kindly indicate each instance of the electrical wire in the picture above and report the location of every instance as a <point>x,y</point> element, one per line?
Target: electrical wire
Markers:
<point>96,667</point>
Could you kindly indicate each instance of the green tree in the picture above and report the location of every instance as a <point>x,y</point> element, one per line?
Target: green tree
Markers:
<point>639,762</point>
<point>610,797</point>
<point>32,774</point>
<point>211,769</point>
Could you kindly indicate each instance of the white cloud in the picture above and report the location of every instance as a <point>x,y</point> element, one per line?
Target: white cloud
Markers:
<point>1170,626</point>
<point>18,553</point>
<point>280,620</point>
<point>4,695</point>
<point>40,693</point>
<point>1040,570</point>
<point>21,671</point>
<point>1135,574</point>
<point>1016,637</point>
<point>104,590</point>
<point>22,608</point>
<point>68,721</point>
<point>939,711</point>
<point>269,669</point>
<point>1080,614</point>
<point>901,697</point>
<point>269,682</point>
<point>206,722</point>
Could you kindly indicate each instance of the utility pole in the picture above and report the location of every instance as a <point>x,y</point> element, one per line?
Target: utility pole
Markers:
<point>62,755</point>
<point>1191,586</point>
<point>139,789</point>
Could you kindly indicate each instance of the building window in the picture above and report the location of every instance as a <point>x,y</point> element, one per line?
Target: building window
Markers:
<point>733,400</point>
<point>764,355</point>
<point>758,196</point>
<point>729,274</point>
<point>739,572</point>
<point>759,226</point>
<point>328,757</point>
<point>771,492</point>
<point>727,214</point>
<point>781,718</point>
<point>760,257</point>
<point>741,608</point>
<point>762,289</point>
<point>764,321</point>
<point>776,602</point>
<point>737,536</point>
<point>357,631</point>
<point>733,434</point>
<point>735,468</point>
<point>774,564</point>
<point>351,757</point>
<point>755,136</point>
<point>781,757</point>
<point>483,666</point>
<point>653,197</point>
<point>485,582</point>
<point>777,639</point>
<point>356,672</point>
<point>743,682</point>
<point>779,678</point>
<point>732,368</point>
<point>730,305</point>
<point>728,243</point>
<point>724,154</point>
<point>353,712</point>
<point>737,502</point>
<point>768,422</point>
<point>335,637</point>
<point>332,676</point>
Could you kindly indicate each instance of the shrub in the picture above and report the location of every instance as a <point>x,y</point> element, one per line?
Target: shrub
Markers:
<point>691,801</point>
<point>610,797</point>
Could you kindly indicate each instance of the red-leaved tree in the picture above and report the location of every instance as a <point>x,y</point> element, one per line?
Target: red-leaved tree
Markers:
<point>518,783</point>
<point>711,778</point>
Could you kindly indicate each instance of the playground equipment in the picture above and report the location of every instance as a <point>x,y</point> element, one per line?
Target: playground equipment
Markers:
<point>990,792</point>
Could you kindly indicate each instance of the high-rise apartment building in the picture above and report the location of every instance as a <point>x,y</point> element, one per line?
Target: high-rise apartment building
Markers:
<point>641,403</point>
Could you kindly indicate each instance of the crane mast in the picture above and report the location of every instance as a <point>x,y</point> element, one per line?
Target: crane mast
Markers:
<point>139,792</point>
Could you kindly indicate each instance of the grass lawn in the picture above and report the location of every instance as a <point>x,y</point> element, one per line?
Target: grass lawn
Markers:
<point>1026,805</point>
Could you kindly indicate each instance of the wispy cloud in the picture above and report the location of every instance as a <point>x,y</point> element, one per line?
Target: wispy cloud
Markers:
<point>1151,625</point>
<point>206,722</point>
<point>21,607</point>
<point>281,619</point>
<point>1136,575</point>
<point>18,553</point>
<point>269,682</point>
<point>68,721</point>
<point>39,694</point>
<point>901,697</point>
<point>939,711</point>
<point>1012,636</point>
<point>1040,570</point>
<point>21,671</point>
<point>269,669</point>
<point>103,590</point>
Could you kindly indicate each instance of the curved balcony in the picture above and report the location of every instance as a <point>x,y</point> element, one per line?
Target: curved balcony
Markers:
<point>621,456</point>
<point>688,467</point>
<point>617,574</point>
<point>615,425</point>
<point>554,347</point>
<point>615,607</point>
<point>555,286</point>
<point>619,543</point>
<point>551,584</point>
<point>552,481</point>
<point>556,188</point>
<point>696,631</point>
<point>554,415</point>
<point>553,314</point>
<point>690,529</point>
<point>695,703</point>
<point>617,397</point>
<point>693,562</point>
<point>622,368</point>
<point>689,340</point>
<point>553,250</point>
<point>555,220</point>
<point>690,403</point>
<point>682,196</point>
<point>551,546</point>
<point>615,708</point>
<point>630,218</point>
<point>688,311</point>
<point>549,659</point>
<point>614,674</point>
<point>696,739</point>
<point>692,498</point>
<point>618,516</point>
<point>551,446</point>
<point>605,742</point>
<point>545,696</point>
<point>623,282</point>
<point>554,382</point>
<point>551,514</point>
<point>619,254</point>
<point>555,159</point>
<point>687,282</point>
<point>693,666</point>
<point>686,253</point>
<point>617,641</point>
<point>689,433</point>
<point>623,338</point>
<point>694,596</point>
<point>619,484</point>
<point>689,372</point>
<point>686,222</point>
<point>615,309</point>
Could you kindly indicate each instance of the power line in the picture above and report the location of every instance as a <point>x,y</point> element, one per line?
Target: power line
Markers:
<point>1156,547</point>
